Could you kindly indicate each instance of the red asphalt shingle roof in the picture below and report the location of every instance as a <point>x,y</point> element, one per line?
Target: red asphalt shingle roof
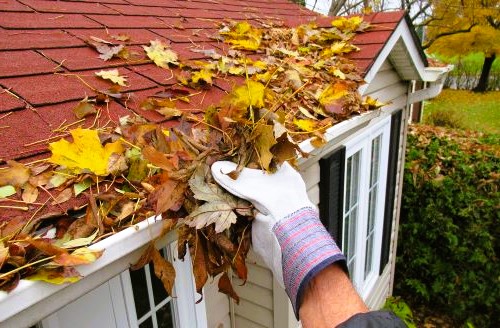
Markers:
<point>46,67</point>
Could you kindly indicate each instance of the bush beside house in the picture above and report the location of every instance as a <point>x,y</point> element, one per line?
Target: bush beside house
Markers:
<point>448,246</point>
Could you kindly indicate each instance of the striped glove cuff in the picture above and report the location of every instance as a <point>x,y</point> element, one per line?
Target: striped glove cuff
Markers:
<point>307,248</point>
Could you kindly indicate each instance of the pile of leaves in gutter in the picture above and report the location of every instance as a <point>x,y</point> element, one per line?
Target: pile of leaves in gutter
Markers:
<point>300,85</point>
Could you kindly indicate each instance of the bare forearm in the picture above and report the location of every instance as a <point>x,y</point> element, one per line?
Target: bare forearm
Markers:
<point>329,299</point>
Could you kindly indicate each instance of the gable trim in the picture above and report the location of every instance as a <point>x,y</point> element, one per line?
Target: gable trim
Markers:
<point>403,37</point>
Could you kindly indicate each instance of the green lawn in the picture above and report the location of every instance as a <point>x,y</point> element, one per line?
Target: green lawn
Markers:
<point>474,111</point>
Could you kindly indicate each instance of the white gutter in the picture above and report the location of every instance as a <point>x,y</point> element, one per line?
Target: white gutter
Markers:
<point>434,88</point>
<point>32,301</point>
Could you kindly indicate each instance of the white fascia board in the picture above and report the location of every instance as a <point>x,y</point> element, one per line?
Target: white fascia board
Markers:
<point>402,31</point>
<point>336,134</point>
<point>32,301</point>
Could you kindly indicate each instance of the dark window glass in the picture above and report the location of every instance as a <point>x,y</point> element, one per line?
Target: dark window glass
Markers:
<point>147,324</point>
<point>164,316</point>
<point>140,290</point>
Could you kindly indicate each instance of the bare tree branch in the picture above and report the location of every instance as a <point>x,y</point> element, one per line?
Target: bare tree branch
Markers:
<point>440,35</point>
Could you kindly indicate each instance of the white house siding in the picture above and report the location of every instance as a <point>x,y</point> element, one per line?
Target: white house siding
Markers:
<point>217,306</point>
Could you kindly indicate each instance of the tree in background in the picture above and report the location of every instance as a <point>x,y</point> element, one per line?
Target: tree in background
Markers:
<point>461,27</point>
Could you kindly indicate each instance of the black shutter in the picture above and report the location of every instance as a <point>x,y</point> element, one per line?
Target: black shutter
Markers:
<point>331,190</point>
<point>391,187</point>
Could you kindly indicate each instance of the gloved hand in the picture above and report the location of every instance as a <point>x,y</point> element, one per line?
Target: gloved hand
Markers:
<point>287,232</point>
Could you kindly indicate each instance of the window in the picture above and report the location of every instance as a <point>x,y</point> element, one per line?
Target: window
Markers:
<point>352,198</point>
<point>149,305</point>
<point>364,194</point>
<point>137,299</point>
<point>153,306</point>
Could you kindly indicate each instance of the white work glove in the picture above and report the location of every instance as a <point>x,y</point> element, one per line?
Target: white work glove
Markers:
<point>287,232</point>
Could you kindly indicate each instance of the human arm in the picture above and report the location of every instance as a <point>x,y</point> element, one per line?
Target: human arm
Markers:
<point>330,299</point>
<point>292,241</point>
<point>288,235</point>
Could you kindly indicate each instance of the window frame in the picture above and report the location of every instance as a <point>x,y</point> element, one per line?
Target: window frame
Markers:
<point>184,306</point>
<point>362,143</point>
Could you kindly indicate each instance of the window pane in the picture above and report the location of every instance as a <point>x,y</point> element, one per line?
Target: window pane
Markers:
<point>352,232</point>
<point>375,161</point>
<point>351,210</point>
<point>369,255</point>
<point>164,316</point>
<point>348,185</point>
<point>372,205</point>
<point>355,179</point>
<point>345,236</point>
<point>147,324</point>
<point>140,291</point>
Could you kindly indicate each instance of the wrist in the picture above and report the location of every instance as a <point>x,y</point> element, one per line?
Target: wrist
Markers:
<point>307,248</point>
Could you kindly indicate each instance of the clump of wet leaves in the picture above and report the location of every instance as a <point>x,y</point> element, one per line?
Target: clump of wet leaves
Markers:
<point>300,85</point>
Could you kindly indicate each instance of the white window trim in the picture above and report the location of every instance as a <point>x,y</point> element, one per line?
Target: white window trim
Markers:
<point>362,142</point>
<point>187,313</point>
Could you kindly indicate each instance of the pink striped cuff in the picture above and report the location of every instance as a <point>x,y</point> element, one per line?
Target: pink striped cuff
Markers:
<point>307,248</point>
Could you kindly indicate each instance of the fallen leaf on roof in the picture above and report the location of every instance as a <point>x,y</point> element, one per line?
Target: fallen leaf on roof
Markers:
<point>114,76</point>
<point>159,53</point>
<point>79,256</point>
<point>249,95</point>
<point>264,141</point>
<point>56,275</point>
<point>85,153</point>
<point>351,24</point>
<point>106,49</point>
<point>30,193</point>
<point>63,196</point>
<point>84,108</point>
<point>121,37</point>
<point>6,191</point>
<point>242,35</point>
<point>204,76</point>
<point>16,174</point>
<point>4,251</point>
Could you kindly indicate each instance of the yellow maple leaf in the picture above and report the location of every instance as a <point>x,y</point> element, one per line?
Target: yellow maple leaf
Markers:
<point>114,76</point>
<point>347,24</point>
<point>85,153</point>
<point>338,48</point>
<point>333,92</point>
<point>250,94</point>
<point>305,124</point>
<point>372,103</point>
<point>203,75</point>
<point>159,53</point>
<point>55,275</point>
<point>264,140</point>
<point>243,36</point>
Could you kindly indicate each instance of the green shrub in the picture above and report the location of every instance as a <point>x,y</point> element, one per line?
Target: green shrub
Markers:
<point>448,242</point>
<point>401,309</point>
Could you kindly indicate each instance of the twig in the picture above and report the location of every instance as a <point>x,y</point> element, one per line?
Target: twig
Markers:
<point>26,266</point>
<point>22,208</point>
<point>46,140</point>
<point>4,116</point>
